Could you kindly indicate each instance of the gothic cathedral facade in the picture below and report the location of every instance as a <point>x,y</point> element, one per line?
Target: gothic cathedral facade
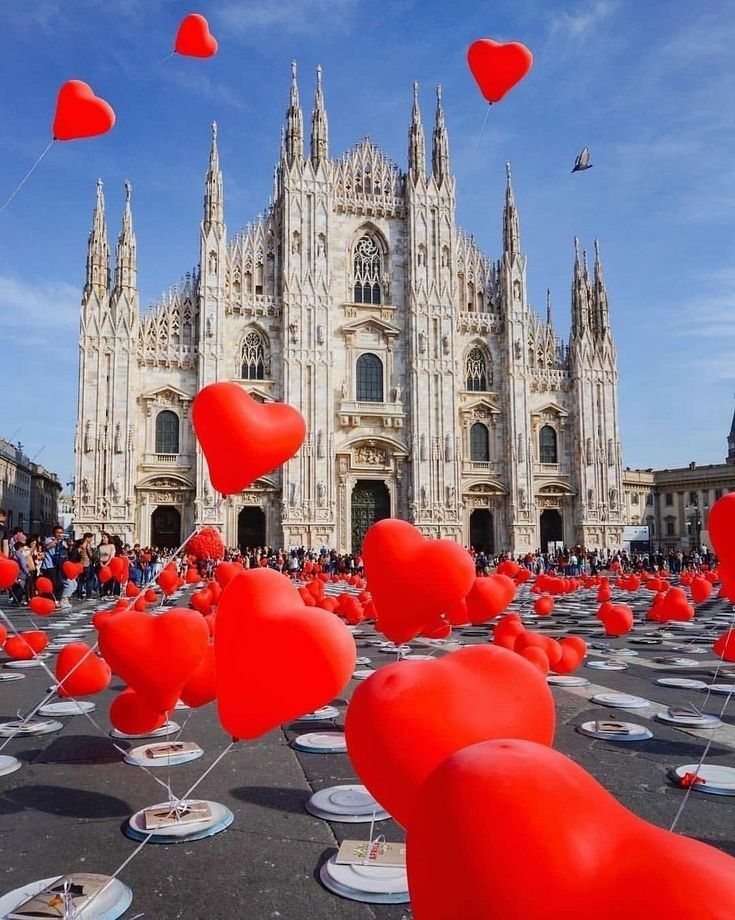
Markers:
<point>431,391</point>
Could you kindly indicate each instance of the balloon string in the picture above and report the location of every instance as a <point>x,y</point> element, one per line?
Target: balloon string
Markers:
<point>707,747</point>
<point>26,177</point>
<point>482,129</point>
<point>147,838</point>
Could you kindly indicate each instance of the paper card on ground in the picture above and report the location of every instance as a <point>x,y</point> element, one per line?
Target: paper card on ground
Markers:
<point>166,816</point>
<point>612,728</point>
<point>685,711</point>
<point>171,750</point>
<point>377,853</point>
<point>50,902</point>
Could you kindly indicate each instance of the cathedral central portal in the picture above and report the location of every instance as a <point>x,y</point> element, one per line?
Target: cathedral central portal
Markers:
<point>370,503</point>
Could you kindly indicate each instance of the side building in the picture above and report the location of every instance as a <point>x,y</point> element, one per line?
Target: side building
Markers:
<point>674,504</point>
<point>28,491</point>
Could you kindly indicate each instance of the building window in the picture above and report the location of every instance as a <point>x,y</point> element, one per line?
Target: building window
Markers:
<point>479,443</point>
<point>693,498</point>
<point>547,445</point>
<point>669,528</point>
<point>367,266</point>
<point>634,498</point>
<point>167,432</point>
<point>649,499</point>
<point>253,357</point>
<point>718,494</point>
<point>668,499</point>
<point>369,378</point>
<point>479,378</point>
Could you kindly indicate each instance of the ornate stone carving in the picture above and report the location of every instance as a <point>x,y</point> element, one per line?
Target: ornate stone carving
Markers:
<point>448,448</point>
<point>88,436</point>
<point>321,494</point>
<point>374,456</point>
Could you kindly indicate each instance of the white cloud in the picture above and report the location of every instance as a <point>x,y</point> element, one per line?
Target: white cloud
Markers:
<point>46,306</point>
<point>294,16</point>
<point>585,19</point>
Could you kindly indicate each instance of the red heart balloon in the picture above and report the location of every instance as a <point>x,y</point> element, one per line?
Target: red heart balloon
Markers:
<point>573,650</point>
<point>120,568</point>
<point>41,606</point>
<point>397,558</point>
<point>155,655</point>
<point>44,585</point>
<point>618,619</point>
<point>9,571</point>
<point>201,687</point>
<point>497,66</point>
<point>543,605</point>
<point>241,438</point>
<point>79,113</point>
<point>226,571</point>
<point>129,713</point>
<point>489,597</point>
<point>104,575</point>
<point>405,719</point>
<point>18,649</point>
<point>275,658</point>
<point>202,601</point>
<point>167,581</point>
<point>194,38</point>
<point>72,569</point>
<point>493,810</point>
<point>724,647</point>
<point>701,590</point>
<point>91,676</point>
<point>36,639</point>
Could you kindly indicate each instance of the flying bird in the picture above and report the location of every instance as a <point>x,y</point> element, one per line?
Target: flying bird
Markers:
<point>583,160</point>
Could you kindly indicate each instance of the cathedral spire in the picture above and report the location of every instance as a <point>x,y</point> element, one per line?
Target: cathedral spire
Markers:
<point>548,307</point>
<point>730,459</point>
<point>440,145</point>
<point>319,127</point>
<point>511,223</point>
<point>294,146</point>
<point>416,143</point>
<point>213,198</point>
<point>602,310</point>
<point>125,257</point>
<point>580,293</point>
<point>98,251</point>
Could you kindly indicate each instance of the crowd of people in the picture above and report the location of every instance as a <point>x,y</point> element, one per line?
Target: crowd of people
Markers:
<point>45,557</point>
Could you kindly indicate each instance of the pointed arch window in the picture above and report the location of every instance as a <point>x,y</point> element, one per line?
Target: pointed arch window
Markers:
<point>367,266</point>
<point>369,378</point>
<point>479,443</point>
<point>167,432</point>
<point>478,373</point>
<point>547,445</point>
<point>254,357</point>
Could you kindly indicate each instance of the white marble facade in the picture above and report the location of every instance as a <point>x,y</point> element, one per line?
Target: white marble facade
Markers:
<point>431,390</point>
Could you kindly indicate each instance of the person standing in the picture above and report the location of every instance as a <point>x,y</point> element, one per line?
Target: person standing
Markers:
<point>3,532</point>
<point>86,579</point>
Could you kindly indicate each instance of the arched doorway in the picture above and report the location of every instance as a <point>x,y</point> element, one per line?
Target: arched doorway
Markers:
<point>370,503</point>
<point>166,527</point>
<point>552,528</point>
<point>482,531</point>
<point>250,528</point>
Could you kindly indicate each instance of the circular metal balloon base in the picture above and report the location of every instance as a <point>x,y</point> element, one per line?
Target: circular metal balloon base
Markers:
<point>112,903</point>
<point>325,714</point>
<point>566,680</point>
<point>143,756</point>
<point>362,673</point>
<point>67,708</point>
<point>321,743</point>
<point>611,665</point>
<point>169,728</point>
<point>412,657</point>
<point>389,648</point>
<point>22,664</point>
<point>622,652</point>
<point>677,662</point>
<point>363,661</point>
<point>725,689</point>
<point>9,764</point>
<point>681,683</point>
<point>688,721</point>
<point>717,780</point>
<point>620,700</point>
<point>645,640</point>
<point>9,675</point>
<point>25,729</point>
<point>346,805</point>
<point>182,832</point>
<point>369,884</point>
<point>632,732</point>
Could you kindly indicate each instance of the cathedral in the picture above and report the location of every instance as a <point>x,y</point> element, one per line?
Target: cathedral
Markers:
<point>431,390</point>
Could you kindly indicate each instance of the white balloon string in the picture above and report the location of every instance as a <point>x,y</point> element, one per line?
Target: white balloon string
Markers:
<point>25,178</point>
<point>482,129</point>
<point>705,752</point>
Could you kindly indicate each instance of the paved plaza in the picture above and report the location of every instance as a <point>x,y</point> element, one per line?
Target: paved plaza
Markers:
<point>63,811</point>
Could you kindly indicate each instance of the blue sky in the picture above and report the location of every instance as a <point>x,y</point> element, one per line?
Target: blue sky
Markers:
<point>647,85</point>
